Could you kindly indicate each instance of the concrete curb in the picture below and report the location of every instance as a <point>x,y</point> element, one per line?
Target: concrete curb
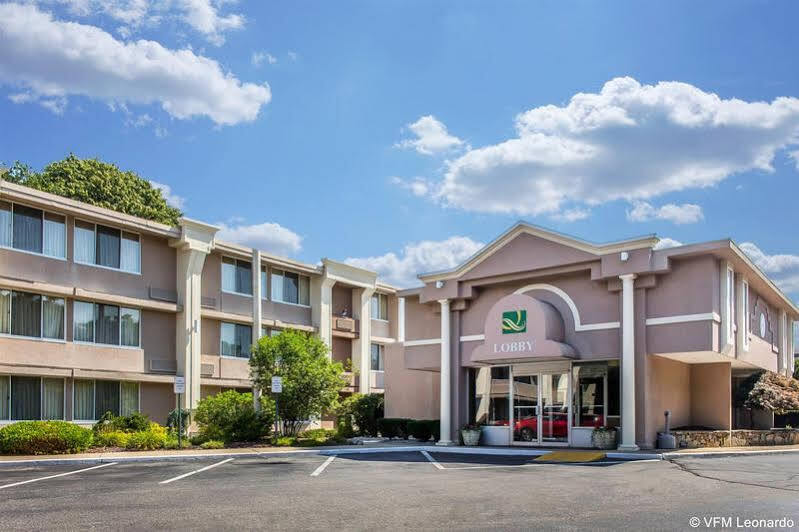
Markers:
<point>720,454</point>
<point>318,451</point>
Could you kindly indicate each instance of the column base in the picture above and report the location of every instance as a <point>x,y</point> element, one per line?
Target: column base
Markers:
<point>446,443</point>
<point>628,448</point>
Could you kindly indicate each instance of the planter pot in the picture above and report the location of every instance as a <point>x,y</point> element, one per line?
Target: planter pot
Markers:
<point>603,439</point>
<point>470,437</point>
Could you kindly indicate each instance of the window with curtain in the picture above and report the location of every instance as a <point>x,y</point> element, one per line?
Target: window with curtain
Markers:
<point>129,403</point>
<point>236,276</point>
<point>106,398</point>
<point>26,314</point>
<point>55,235</point>
<point>5,397</point>
<point>26,398</point>
<point>52,398</point>
<point>236,340</point>
<point>377,357</point>
<point>289,287</point>
<point>129,319</point>
<point>83,318</point>
<point>83,400</point>
<point>379,307</point>
<point>53,311</point>
<point>264,292</point>
<point>130,253</point>
<point>27,228</point>
<point>84,242</point>
<point>6,237</point>
<point>106,324</point>
<point>5,311</point>
<point>107,246</point>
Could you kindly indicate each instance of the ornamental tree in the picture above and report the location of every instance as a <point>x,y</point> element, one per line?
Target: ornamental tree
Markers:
<point>311,381</point>
<point>773,392</point>
<point>98,183</point>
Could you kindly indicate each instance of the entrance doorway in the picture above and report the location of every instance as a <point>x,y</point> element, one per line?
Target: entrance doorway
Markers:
<point>540,405</point>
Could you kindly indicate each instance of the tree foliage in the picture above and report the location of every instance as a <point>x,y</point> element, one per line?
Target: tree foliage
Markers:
<point>796,368</point>
<point>311,381</point>
<point>97,183</point>
<point>773,392</point>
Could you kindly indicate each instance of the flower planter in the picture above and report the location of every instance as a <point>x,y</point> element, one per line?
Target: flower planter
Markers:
<point>603,439</point>
<point>470,437</point>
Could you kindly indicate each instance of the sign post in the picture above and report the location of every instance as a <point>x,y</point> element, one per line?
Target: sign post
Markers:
<point>180,389</point>
<point>277,389</point>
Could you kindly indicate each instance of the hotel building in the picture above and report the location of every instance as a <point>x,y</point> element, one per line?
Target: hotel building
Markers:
<point>100,310</point>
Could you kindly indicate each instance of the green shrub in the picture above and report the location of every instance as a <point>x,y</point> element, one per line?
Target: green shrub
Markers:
<point>172,421</point>
<point>393,427</point>
<point>435,428</point>
<point>230,416</point>
<point>344,425</point>
<point>198,439</point>
<point>44,437</point>
<point>420,429</point>
<point>285,441</point>
<point>213,444</point>
<point>172,442</point>
<point>361,412</point>
<point>315,437</point>
<point>146,440</point>
<point>111,438</point>
<point>136,422</point>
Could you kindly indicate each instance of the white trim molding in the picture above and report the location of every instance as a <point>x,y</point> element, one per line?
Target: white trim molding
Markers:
<point>428,341</point>
<point>473,338</point>
<point>578,325</point>
<point>684,318</point>
<point>382,340</point>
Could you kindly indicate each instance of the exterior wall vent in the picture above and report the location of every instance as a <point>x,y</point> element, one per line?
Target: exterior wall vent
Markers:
<point>163,365</point>
<point>160,294</point>
<point>208,302</point>
<point>207,370</point>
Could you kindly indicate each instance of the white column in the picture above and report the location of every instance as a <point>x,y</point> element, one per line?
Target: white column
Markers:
<point>321,307</point>
<point>362,346</point>
<point>783,360</point>
<point>627,364</point>
<point>446,382</point>
<point>400,319</point>
<point>257,314</point>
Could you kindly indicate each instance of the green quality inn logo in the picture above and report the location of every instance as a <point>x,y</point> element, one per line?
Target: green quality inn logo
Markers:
<point>514,321</point>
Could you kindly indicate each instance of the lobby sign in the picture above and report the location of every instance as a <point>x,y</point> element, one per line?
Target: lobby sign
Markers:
<point>521,328</point>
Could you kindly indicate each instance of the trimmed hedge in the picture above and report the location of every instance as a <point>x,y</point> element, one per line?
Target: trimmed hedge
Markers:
<point>44,437</point>
<point>393,427</point>
<point>111,438</point>
<point>423,429</point>
<point>229,416</point>
<point>147,440</point>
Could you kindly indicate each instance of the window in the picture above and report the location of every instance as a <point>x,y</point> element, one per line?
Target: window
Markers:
<point>236,340</point>
<point>290,287</point>
<point>491,404</point>
<point>92,399</point>
<point>82,400</point>
<point>5,397</point>
<point>266,331</point>
<point>26,398</point>
<point>236,276</point>
<point>52,398</point>
<point>28,229</point>
<point>377,357</point>
<point>106,398</point>
<point>107,247</point>
<point>106,324</point>
<point>596,394</point>
<point>380,307</point>
<point>264,290</point>
<point>31,315</point>
<point>31,398</point>
<point>731,304</point>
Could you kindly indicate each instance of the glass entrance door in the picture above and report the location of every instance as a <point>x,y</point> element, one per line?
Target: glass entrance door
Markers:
<point>555,407</point>
<point>525,408</point>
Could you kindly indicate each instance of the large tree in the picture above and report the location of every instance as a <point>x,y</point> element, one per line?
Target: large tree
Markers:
<point>98,183</point>
<point>311,381</point>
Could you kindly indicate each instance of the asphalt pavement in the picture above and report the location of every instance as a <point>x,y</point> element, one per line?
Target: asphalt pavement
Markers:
<point>400,490</point>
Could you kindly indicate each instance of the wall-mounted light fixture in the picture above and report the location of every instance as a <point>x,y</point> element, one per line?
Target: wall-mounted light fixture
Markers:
<point>439,284</point>
<point>625,255</point>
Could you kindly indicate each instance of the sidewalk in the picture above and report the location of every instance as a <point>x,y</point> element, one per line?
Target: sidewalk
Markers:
<point>377,447</point>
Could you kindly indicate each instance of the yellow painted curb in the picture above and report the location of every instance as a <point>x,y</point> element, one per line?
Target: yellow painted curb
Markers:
<point>571,456</point>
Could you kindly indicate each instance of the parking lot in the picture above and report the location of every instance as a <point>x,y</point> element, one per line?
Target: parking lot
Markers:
<point>391,490</point>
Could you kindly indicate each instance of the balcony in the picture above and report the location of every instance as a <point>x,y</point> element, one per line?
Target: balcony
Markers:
<point>376,380</point>
<point>344,327</point>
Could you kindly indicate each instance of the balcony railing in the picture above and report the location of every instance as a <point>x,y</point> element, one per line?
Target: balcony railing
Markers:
<point>377,379</point>
<point>345,324</point>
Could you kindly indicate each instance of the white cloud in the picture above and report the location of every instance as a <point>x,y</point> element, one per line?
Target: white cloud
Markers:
<point>782,268</point>
<point>269,236</point>
<point>202,16</point>
<point>55,105</point>
<point>418,186</point>
<point>665,243</point>
<point>571,215</point>
<point>55,59</point>
<point>293,55</point>
<point>420,257</point>
<point>629,141</point>
<point>687,213</point>
<point>172,199</point>
<point>257,59</point>
<point>431,137</point>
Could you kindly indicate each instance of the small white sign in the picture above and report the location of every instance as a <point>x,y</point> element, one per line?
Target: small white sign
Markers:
<point>180,384</point>
<point>277,384</point>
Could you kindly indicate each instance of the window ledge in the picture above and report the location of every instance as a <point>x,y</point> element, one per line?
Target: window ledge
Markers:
<point>34,253</point>
<point>109,268</point>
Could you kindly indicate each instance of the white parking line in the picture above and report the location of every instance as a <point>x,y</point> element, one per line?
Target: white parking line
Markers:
<point>318,470</point>
<point>55,476</point>
<point>431,460</point>
<point>190,473</point>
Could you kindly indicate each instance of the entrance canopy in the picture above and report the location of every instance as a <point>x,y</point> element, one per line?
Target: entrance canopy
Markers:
<point>521,328</point>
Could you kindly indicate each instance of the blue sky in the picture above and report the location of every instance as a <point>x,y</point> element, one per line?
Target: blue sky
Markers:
<point>402,134</point>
